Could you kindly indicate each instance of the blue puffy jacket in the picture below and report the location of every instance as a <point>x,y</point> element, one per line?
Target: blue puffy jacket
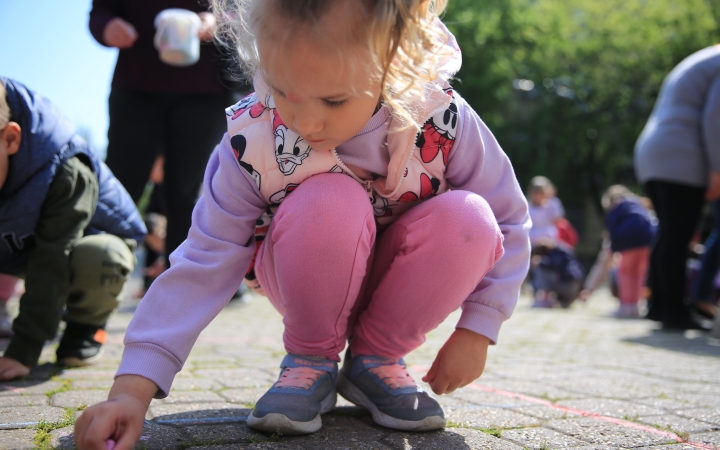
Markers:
<point>48,140</point>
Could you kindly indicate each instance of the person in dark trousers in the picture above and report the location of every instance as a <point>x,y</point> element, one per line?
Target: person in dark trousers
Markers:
<point>67,226</point>
<point>677,159</point>
<point>157,108</point>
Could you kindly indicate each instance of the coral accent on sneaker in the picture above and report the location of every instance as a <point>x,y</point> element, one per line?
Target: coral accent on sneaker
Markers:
<point>302,377</point>
<point>100,336</point>
<point>394,375</point>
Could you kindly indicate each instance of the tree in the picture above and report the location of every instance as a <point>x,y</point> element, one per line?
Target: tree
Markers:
<point>567,85</point>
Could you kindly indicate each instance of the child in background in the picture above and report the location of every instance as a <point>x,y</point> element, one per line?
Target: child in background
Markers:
<point>545,210</point>
<point>630,230</point>
<point>68,227</point>
<point>555,274</point>
<point>385,204</point>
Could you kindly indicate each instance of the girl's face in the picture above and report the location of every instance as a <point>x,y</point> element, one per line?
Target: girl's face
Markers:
<point>324,95</point>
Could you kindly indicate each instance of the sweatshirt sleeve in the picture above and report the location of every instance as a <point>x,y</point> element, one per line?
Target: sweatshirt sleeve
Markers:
<point>181,303</point>
<point>478,164</point>
<point>711,126</point>
<point>102,12</point>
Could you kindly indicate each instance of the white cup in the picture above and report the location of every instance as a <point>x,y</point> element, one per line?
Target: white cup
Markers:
<point>177,38</point>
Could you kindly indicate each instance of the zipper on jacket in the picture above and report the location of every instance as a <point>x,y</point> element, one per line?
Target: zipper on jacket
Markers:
<point>367,184</point>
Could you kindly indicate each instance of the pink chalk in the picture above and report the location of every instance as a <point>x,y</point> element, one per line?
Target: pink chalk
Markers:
<point>110,444</point>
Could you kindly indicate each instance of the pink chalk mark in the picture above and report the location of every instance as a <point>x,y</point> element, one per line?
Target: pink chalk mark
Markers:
<point>144,438</point>
<point>109,444</point>
<point>579,412</point>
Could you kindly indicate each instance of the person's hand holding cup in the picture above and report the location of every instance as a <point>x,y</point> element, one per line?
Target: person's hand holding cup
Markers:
<point>120,34</point>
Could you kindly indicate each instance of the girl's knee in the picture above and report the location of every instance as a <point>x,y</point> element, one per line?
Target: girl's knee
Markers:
<point>469,216</point>
<point>327,196</point>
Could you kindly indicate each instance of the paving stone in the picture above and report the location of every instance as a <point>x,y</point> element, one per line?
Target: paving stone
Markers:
<point>28,387</point>
<point>604,433</point>
<point>63,439</point>
<point>99,384</point>
<point>88,374</point>
<point>239,378</point>
<point>544,413</point>
<point>450,439</point>
<point>160,437</point>
<point>677,423</point>
<point>224,433</point>
<point>613,408</point>
<point>712,438</point>
<point>247,396</point>
<point>540,438</point>
<point>197,413</point>
<point>23,400</point>
<point>24,416</point>
<point>704,414</point>
<point>482,398</point>
<point>17,439</point>
<point>195,384</point>
<point>541,391</point>
<point>472,416</point>
<point>75,399</point>
<point>670,447</point>
<point>189,397</point>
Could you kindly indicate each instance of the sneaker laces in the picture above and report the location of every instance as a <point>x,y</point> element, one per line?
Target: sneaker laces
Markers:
<point>299,377</point>
<point>394,375</point>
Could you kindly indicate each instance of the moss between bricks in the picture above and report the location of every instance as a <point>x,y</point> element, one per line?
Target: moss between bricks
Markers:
<point>43,436</point>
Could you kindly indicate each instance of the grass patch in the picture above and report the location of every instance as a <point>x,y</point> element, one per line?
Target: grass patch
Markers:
<point>453,424</point>
<point>491,431</point>
<point>43,430</point>
<point>681,434</point>
<point>65,385</point>
<point>249,405</point>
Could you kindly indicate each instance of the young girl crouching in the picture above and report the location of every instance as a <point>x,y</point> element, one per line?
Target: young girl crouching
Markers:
<point>373,202</point>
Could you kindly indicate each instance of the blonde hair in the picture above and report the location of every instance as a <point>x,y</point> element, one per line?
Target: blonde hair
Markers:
<point>4,107</point>
<point>401,36</point>
<point>614,195</point>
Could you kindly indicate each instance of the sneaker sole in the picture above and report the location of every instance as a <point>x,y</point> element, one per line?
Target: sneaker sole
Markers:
<point>351,393</point>
<point>280,423</point>
<point>72,361</point>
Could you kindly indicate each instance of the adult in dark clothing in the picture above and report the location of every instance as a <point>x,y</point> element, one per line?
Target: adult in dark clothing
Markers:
<point>157,108</point>
<point>677,158</point>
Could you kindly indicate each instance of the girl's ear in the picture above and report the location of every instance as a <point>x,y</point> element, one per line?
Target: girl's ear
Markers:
<point>12,135</point>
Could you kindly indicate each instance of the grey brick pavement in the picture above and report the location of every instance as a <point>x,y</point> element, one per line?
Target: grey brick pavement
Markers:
<point>559,379</point>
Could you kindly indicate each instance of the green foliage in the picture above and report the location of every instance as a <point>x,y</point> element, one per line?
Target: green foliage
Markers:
<point>596,68</point>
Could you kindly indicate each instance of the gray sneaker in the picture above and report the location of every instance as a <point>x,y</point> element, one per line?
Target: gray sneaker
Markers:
<point>304,391</point>
<point>386,389</point>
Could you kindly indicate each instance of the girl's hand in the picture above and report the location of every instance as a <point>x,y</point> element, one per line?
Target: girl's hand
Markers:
<point>120,418</point>
<point>12,368</point>
<point>119,33</point>
<point>459,362</point>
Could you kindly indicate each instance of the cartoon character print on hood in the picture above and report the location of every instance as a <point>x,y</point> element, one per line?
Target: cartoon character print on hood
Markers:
<point>438,133</point>
<point>428,186</point>
<point>239,144</point>
<point>380,206</point>
<point>290,148</point>
<point>279,196</point>
<point>250,103</point>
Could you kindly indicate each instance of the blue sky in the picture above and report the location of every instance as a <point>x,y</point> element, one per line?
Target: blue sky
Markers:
<point>46,45</point>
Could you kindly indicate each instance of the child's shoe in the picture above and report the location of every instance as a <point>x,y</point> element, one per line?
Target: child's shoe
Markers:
<point>543,299</point>
<point>627,311</point>
<point>5,322</point>
<point>304,391</point>
<point>81,345</point>
<point>386,389</point>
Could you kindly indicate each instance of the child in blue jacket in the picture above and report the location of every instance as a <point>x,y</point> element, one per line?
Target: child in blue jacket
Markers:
<point>67,227</point>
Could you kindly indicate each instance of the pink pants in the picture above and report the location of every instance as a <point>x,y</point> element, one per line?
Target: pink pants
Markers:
<point>632,273</point>
<point>7,287</point>
<point>322,268</point>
